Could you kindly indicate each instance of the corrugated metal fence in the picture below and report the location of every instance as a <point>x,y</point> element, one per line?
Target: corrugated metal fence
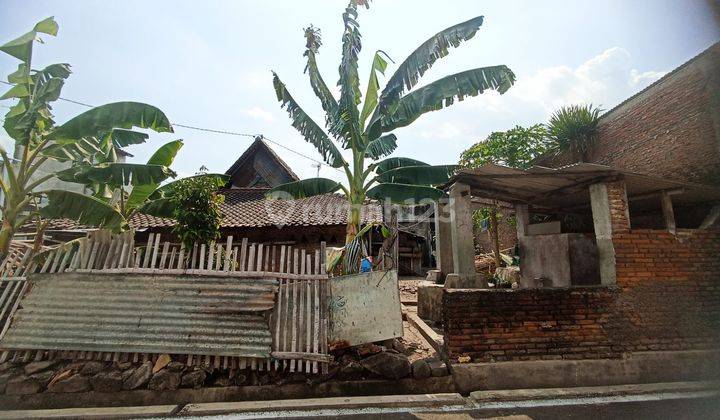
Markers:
<point>229,305</point>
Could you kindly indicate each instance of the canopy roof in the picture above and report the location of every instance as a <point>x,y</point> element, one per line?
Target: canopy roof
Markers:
<point>566,188</point>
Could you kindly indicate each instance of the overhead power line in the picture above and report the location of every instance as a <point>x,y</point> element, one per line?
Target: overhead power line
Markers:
<point>216,131</point>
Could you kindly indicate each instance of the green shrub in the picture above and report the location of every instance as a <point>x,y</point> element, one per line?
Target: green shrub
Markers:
<point>197,210</point>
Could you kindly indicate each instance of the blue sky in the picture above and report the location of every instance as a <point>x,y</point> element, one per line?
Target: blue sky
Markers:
<point>208,63</point>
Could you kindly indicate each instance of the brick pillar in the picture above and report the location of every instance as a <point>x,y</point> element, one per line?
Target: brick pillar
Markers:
<point>619,211</point>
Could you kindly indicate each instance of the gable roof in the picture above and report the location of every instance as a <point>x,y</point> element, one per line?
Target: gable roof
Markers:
<point>277,171</point>
<point>248,208</point>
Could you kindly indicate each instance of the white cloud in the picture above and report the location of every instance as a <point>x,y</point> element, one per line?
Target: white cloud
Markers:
<point>603,80</point>
<point>261,114</point>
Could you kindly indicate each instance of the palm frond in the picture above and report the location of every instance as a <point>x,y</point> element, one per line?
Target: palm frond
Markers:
<point>419,175</point>
<point>312,133</point>
<point>444,92</point>
<point>422,59</point>
<point>396,162</point>
<point>379,65</point>
<point>381,146</point>
<point>304,188</point>
<point>327,100</point>
<point>346,124</point>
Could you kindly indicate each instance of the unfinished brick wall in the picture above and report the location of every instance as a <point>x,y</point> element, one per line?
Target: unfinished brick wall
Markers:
<point>672,129</point>
<point>619,211</point>
<point>667,297</point>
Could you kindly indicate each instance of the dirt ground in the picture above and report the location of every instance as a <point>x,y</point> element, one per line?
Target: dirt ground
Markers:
<point>408,290</point>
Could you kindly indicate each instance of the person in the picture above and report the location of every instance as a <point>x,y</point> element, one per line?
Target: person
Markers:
<point>366,265</point>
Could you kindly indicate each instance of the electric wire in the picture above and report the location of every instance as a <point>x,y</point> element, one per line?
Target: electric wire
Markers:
<point>215,131</point>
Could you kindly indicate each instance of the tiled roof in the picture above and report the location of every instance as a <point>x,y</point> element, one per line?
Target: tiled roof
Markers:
<point>247,207</point>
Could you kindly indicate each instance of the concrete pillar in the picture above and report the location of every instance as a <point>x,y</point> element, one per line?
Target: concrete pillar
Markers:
<point>522,217</point>
<point>602,220</point>
<point>463,241</point>
<point>443,240</point>
<point>668,212</point>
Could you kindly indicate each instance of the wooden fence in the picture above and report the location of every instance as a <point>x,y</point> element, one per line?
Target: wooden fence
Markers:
<point>298,322</point>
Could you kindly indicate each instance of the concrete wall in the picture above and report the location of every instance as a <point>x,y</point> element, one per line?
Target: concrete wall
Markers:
<point>565,259</point>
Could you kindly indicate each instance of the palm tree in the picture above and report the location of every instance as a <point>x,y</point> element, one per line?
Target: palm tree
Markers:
<point>366,131</point>
<point>97,132</point>
<point>574,128</point>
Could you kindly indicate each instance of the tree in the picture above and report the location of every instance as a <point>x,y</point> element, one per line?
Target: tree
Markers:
<point>196,208</point>
<point>574,128</point>
<point>516,148</point>
<point>30,124</point>
<point>111,206</point>
<point>366,131</point>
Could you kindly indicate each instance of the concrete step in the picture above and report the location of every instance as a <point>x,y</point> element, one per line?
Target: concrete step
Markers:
<point>334,403</point>
<point>594,391</point>
<point>93,413</point>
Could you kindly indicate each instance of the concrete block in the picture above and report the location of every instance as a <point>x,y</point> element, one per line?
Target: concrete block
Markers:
<point>636,368</point>
<point>434,276</point>
<point>429,301</point>
<point>334,403</point>
<point>92,413</point>
<point>455,281</point>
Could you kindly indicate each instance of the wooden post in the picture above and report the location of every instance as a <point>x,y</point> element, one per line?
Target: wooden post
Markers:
<point>668,212</point>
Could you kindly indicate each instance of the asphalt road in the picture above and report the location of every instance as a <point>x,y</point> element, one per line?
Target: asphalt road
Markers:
<point>658,407</point>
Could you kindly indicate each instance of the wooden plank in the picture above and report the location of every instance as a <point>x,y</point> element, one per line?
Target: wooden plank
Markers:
<point>64,262</point>
<point>316,311</point>
<point>218,257</point>
<point>181,257</point>
<point>228,253</point>
<point>234,265</point>
<point>260,266</point>
<point>251,257</point>
<point>164,256</point>
<point>711,218</point>
<point>18,298</point>
<point>211,254</point>
<point>194,256</point>
<point>56,260</point>
<point>243,254</point>
<point>308,313</point>
<point>201,266</point>
<point>109,255</point>
<point>295,308</point>
<point>48,260</point>
<point>148,250</point>
<point>171,262</point>
<point>299,355</point>
<point>279,312</point>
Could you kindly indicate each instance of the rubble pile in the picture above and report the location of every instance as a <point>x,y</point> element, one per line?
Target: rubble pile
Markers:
<point>371,361</point>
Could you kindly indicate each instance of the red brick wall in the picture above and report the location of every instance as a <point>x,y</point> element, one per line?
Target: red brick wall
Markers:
<point>671,130</point>
<point>667,297</point>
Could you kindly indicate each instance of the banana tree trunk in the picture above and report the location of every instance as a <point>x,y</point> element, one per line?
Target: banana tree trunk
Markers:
<point>6,233</point>
<point>353,224</point>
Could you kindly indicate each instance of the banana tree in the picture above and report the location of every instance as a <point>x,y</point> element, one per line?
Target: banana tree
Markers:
<point>29,122</point>
<point>115,210</point>
<point>367,131</point>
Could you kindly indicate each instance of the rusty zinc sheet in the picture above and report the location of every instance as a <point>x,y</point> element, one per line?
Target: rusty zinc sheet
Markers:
<point>217,316</point>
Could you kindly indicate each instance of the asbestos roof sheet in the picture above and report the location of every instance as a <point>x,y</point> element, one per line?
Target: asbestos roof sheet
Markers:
<point>248,207</point>
<point>218,316</point>
<point>568,186</point>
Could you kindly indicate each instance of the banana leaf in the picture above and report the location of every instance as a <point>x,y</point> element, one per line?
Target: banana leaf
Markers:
<point>304,188</point>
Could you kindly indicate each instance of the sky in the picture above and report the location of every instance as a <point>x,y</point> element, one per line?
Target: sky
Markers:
<point>208,64</point>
